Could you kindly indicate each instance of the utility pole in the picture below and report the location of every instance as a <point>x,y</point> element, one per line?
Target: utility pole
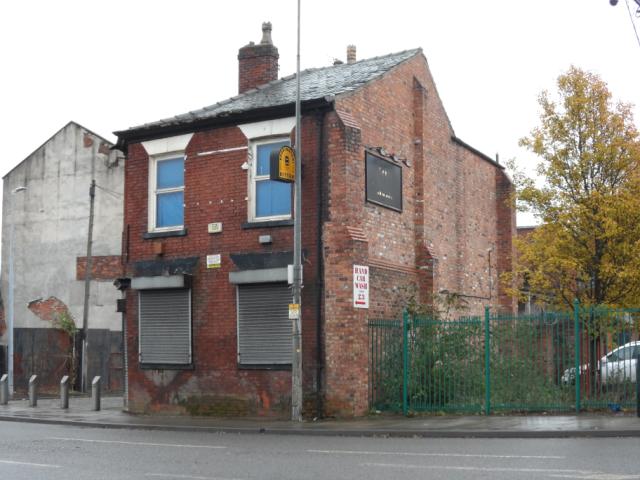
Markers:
<point>87,289</point>
<point>10,306</point>
<point>296,366</point>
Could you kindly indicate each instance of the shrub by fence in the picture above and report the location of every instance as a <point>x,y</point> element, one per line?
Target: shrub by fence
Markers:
<point>503,362</point>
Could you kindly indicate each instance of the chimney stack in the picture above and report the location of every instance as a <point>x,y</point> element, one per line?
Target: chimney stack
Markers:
<point>258,64</point>
<point>351,54</point>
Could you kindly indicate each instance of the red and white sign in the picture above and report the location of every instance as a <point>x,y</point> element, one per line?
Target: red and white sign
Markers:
<point>360,286</point>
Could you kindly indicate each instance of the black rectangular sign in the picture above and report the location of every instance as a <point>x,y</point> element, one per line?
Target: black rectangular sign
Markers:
<point>384,182</point>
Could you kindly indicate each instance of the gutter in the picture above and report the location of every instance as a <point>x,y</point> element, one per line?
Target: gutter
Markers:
<point>141,134</point>
<point>320,274</point>
<point>477,152</point>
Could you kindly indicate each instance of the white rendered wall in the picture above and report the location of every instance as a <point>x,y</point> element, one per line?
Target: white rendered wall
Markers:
<point>51,219</point>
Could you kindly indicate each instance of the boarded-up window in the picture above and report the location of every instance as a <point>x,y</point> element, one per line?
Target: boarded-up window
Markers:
<point>165,326</point>
<point>264,328</point>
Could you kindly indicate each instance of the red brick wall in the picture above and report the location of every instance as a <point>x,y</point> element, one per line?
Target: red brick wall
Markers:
<point>107,268</point>
<point>453,212</point>
<point>258,64</point>
<point>507,231</point>
<point>49,309</point>
<point>216,191</point>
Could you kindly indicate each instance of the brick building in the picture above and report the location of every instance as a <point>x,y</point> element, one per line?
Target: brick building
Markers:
<point>45,221</point>
<point>386,185</point>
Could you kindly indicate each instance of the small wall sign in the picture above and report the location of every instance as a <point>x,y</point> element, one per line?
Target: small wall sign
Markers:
<point>215,227</point>
<point>282,165</point>
<point>294,311</point>
<point>360,286</point>
<point>214,261</point>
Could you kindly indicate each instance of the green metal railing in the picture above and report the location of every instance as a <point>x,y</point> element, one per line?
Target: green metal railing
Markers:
<point>503,362</point>
<point>605,356</point>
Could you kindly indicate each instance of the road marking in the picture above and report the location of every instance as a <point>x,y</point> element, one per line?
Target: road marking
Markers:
<point>194,477</point>
<point>144,444</point>
<point>599,476</point>
<point>29,464</point>
<point>483,469</point>
<point>421,454</point>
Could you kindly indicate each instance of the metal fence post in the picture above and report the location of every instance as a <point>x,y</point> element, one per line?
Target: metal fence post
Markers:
<point>95,393</point>
<point>638,385</point>
<point>64,392</point>
<point>4,389</point>
<point>33,391</point>
<point>487,363</point>
<point>576,329</point>
<point>405,361</point>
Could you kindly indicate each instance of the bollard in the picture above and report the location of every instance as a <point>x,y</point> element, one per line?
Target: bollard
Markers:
<point>33,391</point>
<point>4,389</point>
<point>64,392</point>
<point>95,393</point>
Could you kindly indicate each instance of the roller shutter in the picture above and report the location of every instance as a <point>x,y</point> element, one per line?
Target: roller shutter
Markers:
<point>264,328</point>
<point>165,326</point>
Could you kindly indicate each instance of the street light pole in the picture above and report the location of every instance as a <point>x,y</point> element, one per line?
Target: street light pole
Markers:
<point>11,289</point>
<point>296,366</point>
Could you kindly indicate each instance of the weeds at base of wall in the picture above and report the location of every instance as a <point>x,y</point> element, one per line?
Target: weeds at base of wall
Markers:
<point>64,322</point>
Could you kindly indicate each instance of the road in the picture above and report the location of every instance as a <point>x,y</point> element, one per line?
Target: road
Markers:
<point>32,451</point>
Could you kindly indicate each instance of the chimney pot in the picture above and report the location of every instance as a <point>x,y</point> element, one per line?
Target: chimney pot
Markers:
<point>351,54</point>
<point>258,64</point>
<point>266,34</point>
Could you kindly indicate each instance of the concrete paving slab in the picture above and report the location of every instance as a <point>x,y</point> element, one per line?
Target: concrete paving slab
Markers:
<point>112,415</point>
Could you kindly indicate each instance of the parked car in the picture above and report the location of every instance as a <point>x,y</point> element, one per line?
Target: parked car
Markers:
<point>617,366</point>
<point>620,364</point>
<point>569,375</point>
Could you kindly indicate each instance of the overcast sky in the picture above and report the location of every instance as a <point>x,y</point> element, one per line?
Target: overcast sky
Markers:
<point>109,65</point>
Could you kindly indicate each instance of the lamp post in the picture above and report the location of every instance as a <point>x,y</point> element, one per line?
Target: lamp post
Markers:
<point>11,288</point>
<point>296,366</point>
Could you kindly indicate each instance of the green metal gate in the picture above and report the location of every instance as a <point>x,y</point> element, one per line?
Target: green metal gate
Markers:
<point>561,361</point>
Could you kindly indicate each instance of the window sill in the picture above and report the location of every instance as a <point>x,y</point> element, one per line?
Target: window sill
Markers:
<point>170,233</point>
<point>268,366</point>
<point>164,366</point>
<point>268,224</point>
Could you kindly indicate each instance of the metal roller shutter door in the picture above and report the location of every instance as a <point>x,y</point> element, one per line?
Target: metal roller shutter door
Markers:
<point>165,326</point>
<point>264,328</point>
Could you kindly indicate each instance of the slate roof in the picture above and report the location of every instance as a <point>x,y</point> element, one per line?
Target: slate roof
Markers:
<point>315,83</point>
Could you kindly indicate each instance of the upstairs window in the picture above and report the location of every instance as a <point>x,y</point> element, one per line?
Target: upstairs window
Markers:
<point>166,210</point>
<point>270,200</point>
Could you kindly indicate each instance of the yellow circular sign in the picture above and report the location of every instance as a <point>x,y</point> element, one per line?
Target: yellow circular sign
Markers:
<point>287,163</point>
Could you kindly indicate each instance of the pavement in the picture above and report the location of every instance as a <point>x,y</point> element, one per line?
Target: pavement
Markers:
<point>112,415</point>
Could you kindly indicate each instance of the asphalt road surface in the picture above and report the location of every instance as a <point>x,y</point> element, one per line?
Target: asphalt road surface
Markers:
<point>32,451</point>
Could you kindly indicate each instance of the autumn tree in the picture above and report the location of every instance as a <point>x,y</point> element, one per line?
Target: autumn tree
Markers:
<point>588,244</point>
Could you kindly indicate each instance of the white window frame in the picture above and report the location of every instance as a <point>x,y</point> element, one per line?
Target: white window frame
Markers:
<point>153,192</point>
<point>254,178</point>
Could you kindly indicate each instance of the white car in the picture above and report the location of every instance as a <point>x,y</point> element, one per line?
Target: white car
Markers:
<point>569,375</point>
<point>617,366</point>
